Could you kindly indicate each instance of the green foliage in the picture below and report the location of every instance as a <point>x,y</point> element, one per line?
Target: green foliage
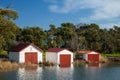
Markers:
<point>7,28</point>
<point>2,41</point>
<point>32,34</point>
<point>8,14</point>
<point>68,35</point>
<point>44,54</point>
<point>3,54</point>
<point>79,56</point>
<point>111,55</point>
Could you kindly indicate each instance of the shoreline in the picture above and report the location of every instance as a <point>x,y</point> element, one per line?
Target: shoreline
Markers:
<point>10,66</point>
<point>6,65</point>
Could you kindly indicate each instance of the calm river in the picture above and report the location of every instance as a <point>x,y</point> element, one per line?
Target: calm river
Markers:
<point>109,72</point>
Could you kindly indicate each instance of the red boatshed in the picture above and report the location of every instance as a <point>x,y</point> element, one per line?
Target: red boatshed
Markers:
<point>26,53</point>
<point>90,56</point>
<point>60,56</point>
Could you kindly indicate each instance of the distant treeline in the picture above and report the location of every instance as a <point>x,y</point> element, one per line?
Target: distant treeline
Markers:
<point>68,35</point>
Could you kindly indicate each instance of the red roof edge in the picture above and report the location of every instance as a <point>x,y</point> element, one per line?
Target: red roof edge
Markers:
<point>22,46</point>
<point>85,51</point>
<point>57,50</point>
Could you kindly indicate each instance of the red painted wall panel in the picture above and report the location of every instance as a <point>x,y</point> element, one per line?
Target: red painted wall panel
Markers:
<point>93,57</point>
<point>65,60</point>
<point>31,57</point>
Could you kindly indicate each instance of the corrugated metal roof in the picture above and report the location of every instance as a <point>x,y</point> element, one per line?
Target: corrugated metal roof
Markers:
<point>55,49</point>
<point>85,51</point>
<point>22,46</point>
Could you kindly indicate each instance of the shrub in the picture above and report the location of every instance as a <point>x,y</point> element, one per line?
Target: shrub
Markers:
<point>3,54</point>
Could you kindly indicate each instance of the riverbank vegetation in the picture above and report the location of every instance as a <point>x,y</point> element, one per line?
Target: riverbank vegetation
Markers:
<point>67,35</point>
<point>6,65</point>
<point>111,55</point>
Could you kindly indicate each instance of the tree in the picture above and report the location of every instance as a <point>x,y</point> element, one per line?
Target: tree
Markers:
<point>67,31</point>
<point>88,36</point>
<point>8,14</point>
<point>59,41</point>
<point>2,41</point>
<point>33,34</point>
<point>115,34</point>
<point>51,36</point>
<point>7,27</point>
<point>106,41</point>
<point>81,43</point>
<point>52,29</point>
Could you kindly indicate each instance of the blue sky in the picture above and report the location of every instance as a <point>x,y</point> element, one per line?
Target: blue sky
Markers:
<point>42,13</point>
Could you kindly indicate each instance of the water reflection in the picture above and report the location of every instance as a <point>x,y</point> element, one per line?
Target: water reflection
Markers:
<point>45,73</point>
<point>58,73</point>
<point>65,73</point>
<point>29,73</point>
<point>97,65</point>
<point>91,72</point>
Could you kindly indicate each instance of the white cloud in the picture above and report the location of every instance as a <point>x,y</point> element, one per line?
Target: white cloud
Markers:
<point>109,25</point>
<point>101,9</point>
<point>107,11</point>
<point>66,6</point>
<point>51,1</point>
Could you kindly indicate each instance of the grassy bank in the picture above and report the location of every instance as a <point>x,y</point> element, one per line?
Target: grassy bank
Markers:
<point>111,55</point>
<point>9,66</point>
<point>112,58</point>
<point>79,62</point>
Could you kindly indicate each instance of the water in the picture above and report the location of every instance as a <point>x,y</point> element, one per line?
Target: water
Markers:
<point>109,72</point>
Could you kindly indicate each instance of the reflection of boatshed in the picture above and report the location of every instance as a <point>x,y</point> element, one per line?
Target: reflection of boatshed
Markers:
<point>60,56</point>
<point>90,56</point>
<point>29,73</point>
<point>26,53</point>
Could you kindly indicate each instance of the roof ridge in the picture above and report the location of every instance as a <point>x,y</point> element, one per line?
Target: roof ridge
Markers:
<point>22,46</point>
<point>55,49</point>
